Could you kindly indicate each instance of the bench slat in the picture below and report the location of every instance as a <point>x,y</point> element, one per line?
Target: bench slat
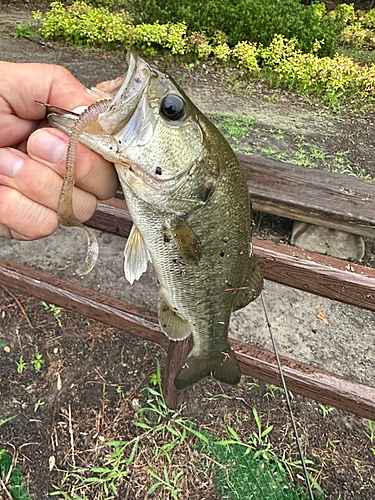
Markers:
<point>300,378</point>
<point>309,271</point>
<point>317,196</point>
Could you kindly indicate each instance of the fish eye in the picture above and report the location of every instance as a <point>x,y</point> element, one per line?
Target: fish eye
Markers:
<point>172,107</point>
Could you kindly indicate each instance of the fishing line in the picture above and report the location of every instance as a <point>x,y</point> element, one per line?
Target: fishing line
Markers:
<point>287,400</point>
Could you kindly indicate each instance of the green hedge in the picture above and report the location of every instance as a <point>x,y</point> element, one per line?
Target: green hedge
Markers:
<point>251,20</point>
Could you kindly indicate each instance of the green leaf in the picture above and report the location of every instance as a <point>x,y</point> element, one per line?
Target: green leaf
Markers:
<point>257,419</point>
<point>116,444</point>
<point>267,431</point>
<point>183,436</point>
<point>196,433</point>
<point>177,476</point>
<point>234,434</point>
<point>142,425</point>
<point>153,392</point>
<point>315,484</point>
<point>5,420</point>
<point>93,480</point>
<point>133,452</point>
<point>226,442</point>
<point>100,470</point>
<point>154,475</point>
<point>172,431</point>
<point>166,477</point>
<point>153,487</point>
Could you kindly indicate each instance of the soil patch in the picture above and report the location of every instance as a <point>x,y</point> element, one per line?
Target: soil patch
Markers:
<point>102,372</point>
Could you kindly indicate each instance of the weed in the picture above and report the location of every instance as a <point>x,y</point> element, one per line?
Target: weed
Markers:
<point>326,410</point>
<point>170,434</point>
<point>234,128</point>
<point>5,420</point>
<point>269,151</point>
<point>273,389</point>
<point>38,404</point>
<point>12,478</point>
<point>26,30</point>
<point>243,472</point>
<point>38,361</point>
<point>54,310</point>
<point>21,365</point>
<point>215,397</point>
<point>332,443</point>
<point>169,485</point>
<point>371,435</point>
<point>278,134</point>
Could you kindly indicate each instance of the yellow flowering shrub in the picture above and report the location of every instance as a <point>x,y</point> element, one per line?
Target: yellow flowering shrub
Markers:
<point>246,55</point>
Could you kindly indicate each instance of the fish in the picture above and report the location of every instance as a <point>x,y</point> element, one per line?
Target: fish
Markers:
<point>190,206</point>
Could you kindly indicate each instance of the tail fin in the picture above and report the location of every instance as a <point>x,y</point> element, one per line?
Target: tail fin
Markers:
<point>223,366</point>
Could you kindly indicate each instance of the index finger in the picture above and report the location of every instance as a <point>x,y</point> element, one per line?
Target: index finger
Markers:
<point>22,85</point>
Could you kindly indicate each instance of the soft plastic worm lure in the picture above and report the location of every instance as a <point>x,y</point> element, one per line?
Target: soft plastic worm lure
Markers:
<point>65,204</point>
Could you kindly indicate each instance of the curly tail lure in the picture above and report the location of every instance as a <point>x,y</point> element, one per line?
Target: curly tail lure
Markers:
<point>65,204</point>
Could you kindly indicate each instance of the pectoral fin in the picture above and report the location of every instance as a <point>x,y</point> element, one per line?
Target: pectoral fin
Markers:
<point>136,256</point>
<point>170,322</point>
<point>253,284</point>
<point>188,243</point>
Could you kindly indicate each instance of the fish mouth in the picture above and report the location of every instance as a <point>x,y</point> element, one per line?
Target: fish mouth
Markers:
<point>127,97</point>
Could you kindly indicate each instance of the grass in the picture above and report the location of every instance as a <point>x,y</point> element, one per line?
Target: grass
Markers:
<point>235,128</point>
<point>54,310</point>
<point>243,473</point>
<point>11,478</point>
<point>241,468</point>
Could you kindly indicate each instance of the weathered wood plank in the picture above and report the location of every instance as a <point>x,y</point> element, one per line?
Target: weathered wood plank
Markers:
<point>291,266</point>
<point>317,196</point>
<point>112,216</point>
<point>76,298</point>
<point>319,274</point>
<point>306,380</point>
<point>302,379</point>
<point>177,353</point>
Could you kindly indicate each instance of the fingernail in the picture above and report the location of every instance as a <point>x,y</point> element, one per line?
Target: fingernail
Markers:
<point>10,162</point>
<point>46,147</point>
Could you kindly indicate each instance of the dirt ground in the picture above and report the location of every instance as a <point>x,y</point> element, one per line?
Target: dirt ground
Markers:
<point>93,361</point>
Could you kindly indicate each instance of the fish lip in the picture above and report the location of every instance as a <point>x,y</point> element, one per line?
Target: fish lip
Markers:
<point>128,96</point>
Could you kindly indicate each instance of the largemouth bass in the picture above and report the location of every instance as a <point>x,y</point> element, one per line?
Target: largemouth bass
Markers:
<point>190,207</point>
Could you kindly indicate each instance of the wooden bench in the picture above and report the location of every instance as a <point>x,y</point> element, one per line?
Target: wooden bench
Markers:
<point>333,200</point>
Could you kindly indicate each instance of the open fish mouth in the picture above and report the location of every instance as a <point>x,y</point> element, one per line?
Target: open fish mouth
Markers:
<point>127,97</point>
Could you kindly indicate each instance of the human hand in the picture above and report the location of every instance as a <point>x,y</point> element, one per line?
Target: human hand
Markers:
<point>32,157</point>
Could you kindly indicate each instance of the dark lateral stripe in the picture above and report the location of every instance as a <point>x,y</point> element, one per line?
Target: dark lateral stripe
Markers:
<point>319,274</point>
<point>302,379</point>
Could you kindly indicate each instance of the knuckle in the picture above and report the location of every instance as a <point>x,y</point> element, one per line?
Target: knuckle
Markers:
<point>84,207</point>
<point>25,217</point>
<point>60,72</point>
<point>9,201</point>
